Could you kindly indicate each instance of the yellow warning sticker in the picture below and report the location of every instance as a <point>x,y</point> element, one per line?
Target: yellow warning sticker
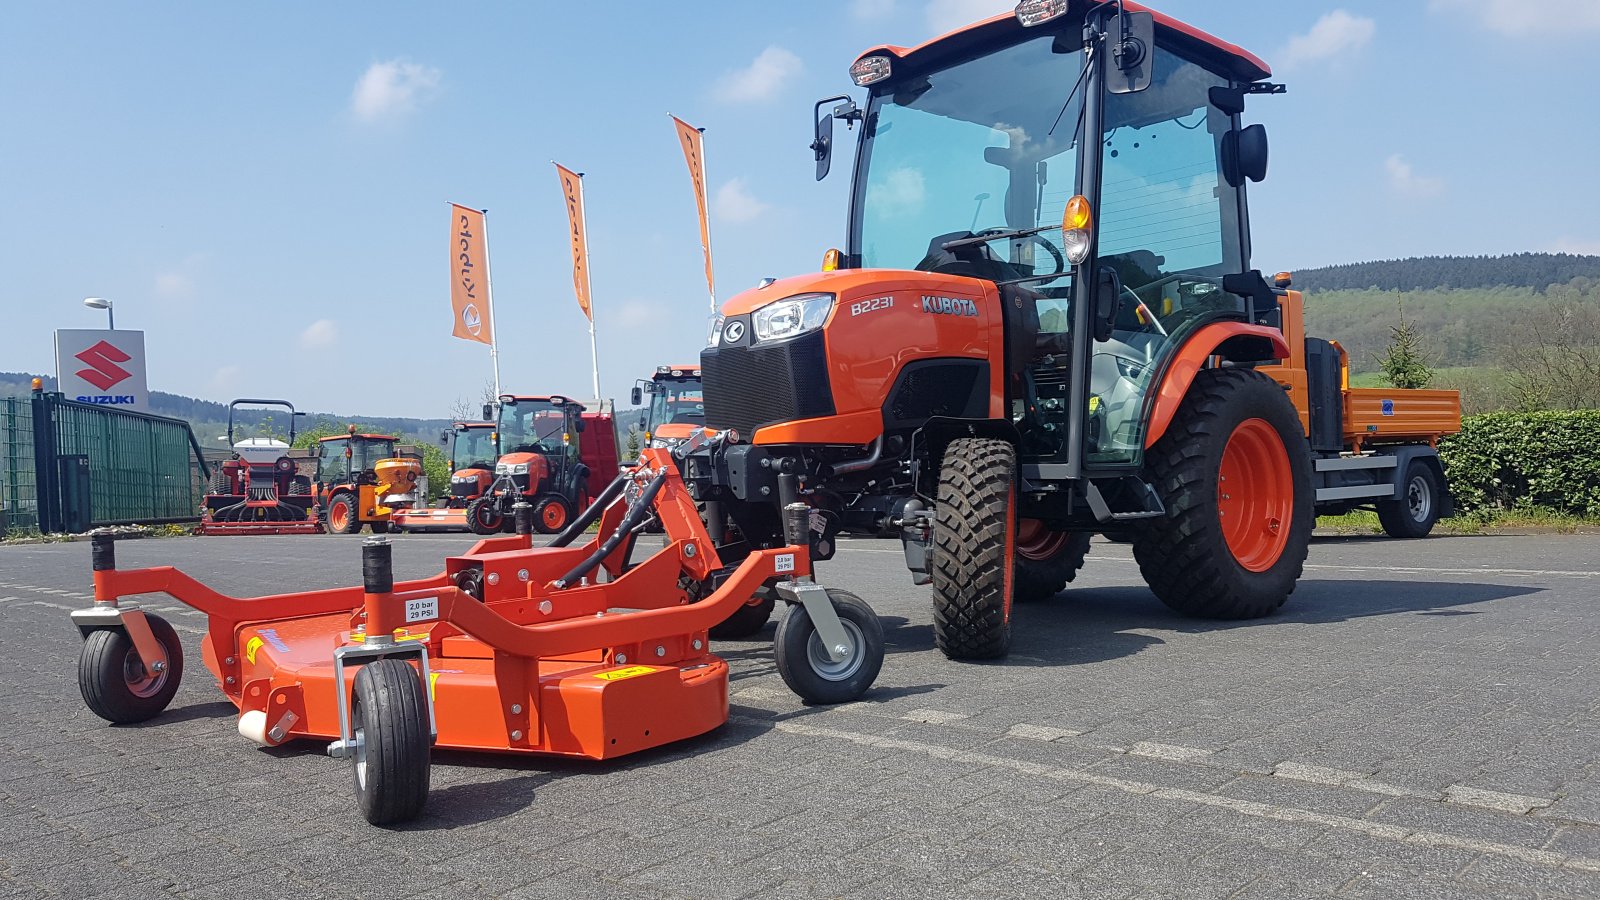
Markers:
<point>250,648</point>
<point>619,674</point>
<point>433,684</point>
<point>1094,403</point>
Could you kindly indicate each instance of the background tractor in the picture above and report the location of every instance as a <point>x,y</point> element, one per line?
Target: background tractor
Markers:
<point>472,457</point>
<point>265,488</point>
<point>362,480</point>
<point>544,462</point>
<point>677,404</point>
<point>1057,333</point>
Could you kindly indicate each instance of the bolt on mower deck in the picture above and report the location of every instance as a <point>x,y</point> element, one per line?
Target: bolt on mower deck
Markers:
<point>565,649</point>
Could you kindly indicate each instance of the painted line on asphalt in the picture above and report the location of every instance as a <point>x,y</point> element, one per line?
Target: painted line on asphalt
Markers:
<point>1381,830</point>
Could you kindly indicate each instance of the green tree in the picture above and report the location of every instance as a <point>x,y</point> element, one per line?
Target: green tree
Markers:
<point>631,450</point>
<point>1405,361</point>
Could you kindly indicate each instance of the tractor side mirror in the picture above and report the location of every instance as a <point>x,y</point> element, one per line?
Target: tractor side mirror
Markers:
<point>1244,155</point>
<point>582,425</point>
<point>637,397</point>
<point>444,438</point>
<point>1107,302</point>
<point>1132,40</point>
<point>488,412</point>
<point>822,136</point>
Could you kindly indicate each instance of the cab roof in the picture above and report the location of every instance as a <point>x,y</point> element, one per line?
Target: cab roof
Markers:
<point>469,425</point>
<point>1235,61</point>
<point>553,398</point>
<point>370,437</point>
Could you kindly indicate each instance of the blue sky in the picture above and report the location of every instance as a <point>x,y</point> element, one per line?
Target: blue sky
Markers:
<point>263,187</point>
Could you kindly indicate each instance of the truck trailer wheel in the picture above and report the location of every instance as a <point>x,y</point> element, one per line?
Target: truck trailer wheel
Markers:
<point>1234,473</point>
<point>114,682</point>
<point>974,532</point>
<point>1046,560</point>
<point>1414,512</point>
<point>392,754</point>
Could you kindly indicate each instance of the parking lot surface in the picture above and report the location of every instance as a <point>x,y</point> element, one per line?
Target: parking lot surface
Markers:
<point>1419,721</point>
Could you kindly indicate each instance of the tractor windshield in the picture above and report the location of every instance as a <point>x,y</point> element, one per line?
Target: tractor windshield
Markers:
<point>474,449</point>
<point>677,401</point>
<point>532,426</point>
<point>984,144</point>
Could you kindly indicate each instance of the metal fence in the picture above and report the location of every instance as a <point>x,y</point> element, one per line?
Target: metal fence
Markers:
<point>132,468</point>
<point>19,500</point>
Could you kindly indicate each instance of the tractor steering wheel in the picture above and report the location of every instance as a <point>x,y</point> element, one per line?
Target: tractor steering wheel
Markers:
<point>1052,249</point>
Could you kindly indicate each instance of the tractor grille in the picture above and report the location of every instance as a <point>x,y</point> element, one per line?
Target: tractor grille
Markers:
<point>748,387</point>
<point>464,489</point>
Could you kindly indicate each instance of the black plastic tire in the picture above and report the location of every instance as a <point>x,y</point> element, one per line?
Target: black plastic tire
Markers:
<point>804,663</point>
<point>746,621</point>
<point>380,527</point>
<point>1041,579</point>
<point>1184,555</point>
<point>392,759</point>
<point>1414,513</point>
<point>352,518</point>
<point>973,533</point>
<point>113,680</point>
<point>484,515</point>
<point>551,514</point>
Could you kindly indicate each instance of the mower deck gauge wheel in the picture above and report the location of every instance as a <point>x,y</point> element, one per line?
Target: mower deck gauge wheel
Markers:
<point>807,667</point>
<point>115,683</point>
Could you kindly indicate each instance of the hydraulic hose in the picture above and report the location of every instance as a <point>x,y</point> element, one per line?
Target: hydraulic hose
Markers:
<point>587,517</point>
<point>635,517</point>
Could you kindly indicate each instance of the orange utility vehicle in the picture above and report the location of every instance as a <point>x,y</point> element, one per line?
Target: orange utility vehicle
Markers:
<point>265,488</point>
<point>545,462</point>
<point>1046,324</point>
<point>510,649</point>
<point>473,452</point>
<point>362,481</point>
<point>677,404</point>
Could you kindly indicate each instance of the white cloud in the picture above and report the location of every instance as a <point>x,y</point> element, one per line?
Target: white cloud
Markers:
<point>902,192</point>
<point>948,15</point>
<point>1335,35</point>
<point>766,75</point>
<point>871,9</point>
<point>735,203</point>
<point>319,335</point>
<point>1405,180</point>
<point>1558,18</point>
<point>174,285</point>
<point>390,90</point>
<point>1578,246</point>
<point>641,314</point>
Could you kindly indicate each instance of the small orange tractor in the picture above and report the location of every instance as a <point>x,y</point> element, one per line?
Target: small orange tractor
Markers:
<point>677,404</point>
<point>544,462</point>
<point>266,488</point>
<point>472,457</point>
<point>362,480</point>
<point>570,649</point>
<point>1045,324</point>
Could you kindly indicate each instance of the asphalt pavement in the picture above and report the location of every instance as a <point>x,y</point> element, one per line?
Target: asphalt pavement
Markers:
<point>1419,721</point>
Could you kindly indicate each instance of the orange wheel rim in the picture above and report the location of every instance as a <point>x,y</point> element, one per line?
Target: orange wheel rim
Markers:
<point>554,516</point>
<point>340,516</point>
<point>1036,542</point>
<point>1255,495</point>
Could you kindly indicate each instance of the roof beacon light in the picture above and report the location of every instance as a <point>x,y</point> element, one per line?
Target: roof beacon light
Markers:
<point>870,70</point>
<point>1038,12</point>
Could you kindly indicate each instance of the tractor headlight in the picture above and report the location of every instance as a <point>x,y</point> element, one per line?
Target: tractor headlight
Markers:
<point>791,316</point>
<point>715,337</point>
<point>511,468</point>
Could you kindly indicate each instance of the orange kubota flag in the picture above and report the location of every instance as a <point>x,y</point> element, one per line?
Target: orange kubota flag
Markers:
<point>693,142</point>
<point>572,192</point>
<point>469,275</point>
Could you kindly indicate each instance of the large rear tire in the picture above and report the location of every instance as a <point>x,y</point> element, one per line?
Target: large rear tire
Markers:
<point>343,515</point>
<point>1233,471</point>
<point>1413,513</point>
<point>974,533</point>
<point>746,621</point>
<point>1046,560</point>
<point>551,514</point>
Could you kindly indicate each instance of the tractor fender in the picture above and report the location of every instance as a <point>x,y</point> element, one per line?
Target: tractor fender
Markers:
<point>1236,341</point>
<point>1403,456</point>
<point>929,442</point>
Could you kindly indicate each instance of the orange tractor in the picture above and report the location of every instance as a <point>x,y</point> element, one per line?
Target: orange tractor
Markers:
<point>1045,324</point>
<point>545,463</point>
<point>472,457</point>
<point>363,481</point>
<point>677,404</point>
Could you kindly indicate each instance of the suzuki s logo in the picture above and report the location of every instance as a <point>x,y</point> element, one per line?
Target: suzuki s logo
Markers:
<point>471,319</point>
<point>103,371</point>
<point>733,332</point>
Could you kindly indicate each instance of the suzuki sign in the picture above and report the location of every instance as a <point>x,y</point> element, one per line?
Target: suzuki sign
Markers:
<point>105,367</point>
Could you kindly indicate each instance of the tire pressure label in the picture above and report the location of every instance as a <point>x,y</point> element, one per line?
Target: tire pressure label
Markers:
<point>422,610</point>
<point>783,562</point>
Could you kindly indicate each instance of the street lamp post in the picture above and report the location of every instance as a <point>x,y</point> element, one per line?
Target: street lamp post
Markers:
<point>102,303</point>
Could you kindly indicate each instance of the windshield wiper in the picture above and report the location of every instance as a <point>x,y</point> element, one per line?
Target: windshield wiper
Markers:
<point>1008,234</point>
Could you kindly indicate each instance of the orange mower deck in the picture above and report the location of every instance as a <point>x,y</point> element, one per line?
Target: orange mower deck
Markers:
<point>565,650</point>
<point>424,519</point>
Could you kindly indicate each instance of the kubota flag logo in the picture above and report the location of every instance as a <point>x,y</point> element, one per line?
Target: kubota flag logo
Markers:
<point>471,320</point>
<point>103,371</point>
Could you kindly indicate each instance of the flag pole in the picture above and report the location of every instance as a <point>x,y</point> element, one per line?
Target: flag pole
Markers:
<point>494,332</point>
<point>705,203</point>
<point>588,283</point>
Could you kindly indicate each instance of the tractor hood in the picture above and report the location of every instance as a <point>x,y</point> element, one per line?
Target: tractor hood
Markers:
<point>853,284</point>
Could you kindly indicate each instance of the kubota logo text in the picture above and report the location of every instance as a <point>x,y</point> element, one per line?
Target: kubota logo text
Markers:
<point>950,306</point>
<point>103,371</point>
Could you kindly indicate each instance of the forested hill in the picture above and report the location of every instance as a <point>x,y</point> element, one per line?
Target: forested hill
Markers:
<point>1527,270</point>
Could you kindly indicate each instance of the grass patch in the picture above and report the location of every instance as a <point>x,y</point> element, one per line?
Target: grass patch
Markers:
<point>1363,522</point>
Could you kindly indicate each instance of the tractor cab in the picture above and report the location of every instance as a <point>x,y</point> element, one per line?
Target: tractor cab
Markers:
<point>540,464</point>
<point>363,480</point>
<point>677,404</point>
<point>473,452</point>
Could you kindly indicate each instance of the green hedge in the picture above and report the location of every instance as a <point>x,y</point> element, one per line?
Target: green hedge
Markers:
<point>1543,460</point>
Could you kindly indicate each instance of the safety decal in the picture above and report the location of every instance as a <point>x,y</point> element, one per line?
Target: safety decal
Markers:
<point>619,674</point>
<point>250,648</point>
<point>783,562</point>
<point>422,610</point>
